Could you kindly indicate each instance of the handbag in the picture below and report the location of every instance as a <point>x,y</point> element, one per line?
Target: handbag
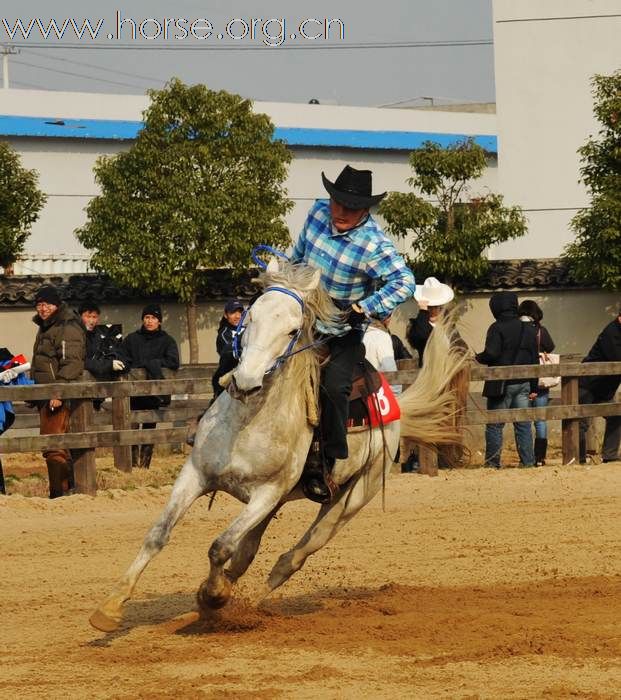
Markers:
<point>549,358</point>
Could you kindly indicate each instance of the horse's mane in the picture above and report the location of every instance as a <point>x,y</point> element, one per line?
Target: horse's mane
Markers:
<point>318,306</point>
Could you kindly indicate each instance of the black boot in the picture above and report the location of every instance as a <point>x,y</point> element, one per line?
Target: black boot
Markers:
<point>135,455</point>
<point>317,481</point>
<point>541,447</point>
<point>2,487</point>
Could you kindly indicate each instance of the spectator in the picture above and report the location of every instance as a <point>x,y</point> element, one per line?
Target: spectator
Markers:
<point>153,349</point>
<point>607,348</point>
<point>12,371</point>
<point>399,350</point>
<point>57,356</point>
<point>103,343</point>
<point>431,299</point>
<point>227,330</point>
<point>6,414</point>
<point>530,312</point>
<point>379,350</point>
<point>509,342</point>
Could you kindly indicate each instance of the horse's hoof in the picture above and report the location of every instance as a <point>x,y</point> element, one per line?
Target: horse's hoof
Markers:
<point>100,621</point>
<point>209,601</point>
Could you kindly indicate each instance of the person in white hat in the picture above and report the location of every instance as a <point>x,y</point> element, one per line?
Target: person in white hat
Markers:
<point>431,298</point>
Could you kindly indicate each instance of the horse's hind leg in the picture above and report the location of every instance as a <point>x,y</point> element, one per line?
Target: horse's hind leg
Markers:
<point>188,487</point>
<point>215,591</point>
<point>330,519</point>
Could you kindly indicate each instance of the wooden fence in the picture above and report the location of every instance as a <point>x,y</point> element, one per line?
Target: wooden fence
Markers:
<point>112,426</point>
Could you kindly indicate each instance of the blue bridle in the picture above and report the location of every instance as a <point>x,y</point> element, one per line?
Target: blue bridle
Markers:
<point>289,351</point>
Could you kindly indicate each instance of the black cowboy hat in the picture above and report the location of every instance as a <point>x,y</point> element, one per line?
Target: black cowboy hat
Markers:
<point>352,188</point>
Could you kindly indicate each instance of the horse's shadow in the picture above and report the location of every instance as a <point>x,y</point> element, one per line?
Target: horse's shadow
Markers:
<point>238,616</point>
<point>150,611</point>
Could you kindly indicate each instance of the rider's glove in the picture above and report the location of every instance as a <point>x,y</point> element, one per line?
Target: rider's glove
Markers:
<point>356,316</point>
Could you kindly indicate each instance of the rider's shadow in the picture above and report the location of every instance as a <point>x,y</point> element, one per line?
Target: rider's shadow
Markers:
<point>150,611</point>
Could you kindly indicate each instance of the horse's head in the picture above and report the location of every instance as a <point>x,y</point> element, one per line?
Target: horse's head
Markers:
<point>273,325</point>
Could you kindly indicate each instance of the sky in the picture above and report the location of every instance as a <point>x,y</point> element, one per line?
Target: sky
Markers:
<point>369,53</point>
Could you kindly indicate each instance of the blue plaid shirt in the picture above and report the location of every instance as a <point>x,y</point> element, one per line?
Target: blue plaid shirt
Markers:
<point>352,262</point>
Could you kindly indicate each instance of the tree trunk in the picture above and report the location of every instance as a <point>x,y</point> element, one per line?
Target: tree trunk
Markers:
<point>190,309</point>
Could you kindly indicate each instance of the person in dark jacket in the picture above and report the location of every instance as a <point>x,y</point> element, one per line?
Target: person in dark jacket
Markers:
<point>607,348</point>
<point>57,356</point>
<point>227,330</point>
<point>509,341</point>
<point>153,349</point>
<point>530,312</point>
<point>103,343</point>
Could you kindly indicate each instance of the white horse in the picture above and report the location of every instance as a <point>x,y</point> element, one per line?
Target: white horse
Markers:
<point>254,440</point>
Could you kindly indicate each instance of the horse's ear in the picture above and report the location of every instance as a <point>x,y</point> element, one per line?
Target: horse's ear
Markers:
<point>272,266</point>
<point>316,279</point>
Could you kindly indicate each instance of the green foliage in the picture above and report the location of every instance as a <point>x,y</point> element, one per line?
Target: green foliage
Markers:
<point>20,203</point>
<point>452,231</point>
<point>199,188</point>
<point>595,254</point>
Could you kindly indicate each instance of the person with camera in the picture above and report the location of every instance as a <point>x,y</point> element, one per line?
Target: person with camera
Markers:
<point>154,349</point>
<point>365,276</point>
<point>103,343</point>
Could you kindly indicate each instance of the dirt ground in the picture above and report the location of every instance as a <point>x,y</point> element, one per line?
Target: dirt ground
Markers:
<point>474,584</point>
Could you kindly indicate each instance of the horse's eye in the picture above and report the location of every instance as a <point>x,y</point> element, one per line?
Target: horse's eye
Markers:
<point>293,333</point>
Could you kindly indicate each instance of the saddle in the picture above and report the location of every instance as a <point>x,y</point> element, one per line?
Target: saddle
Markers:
<point>367,385</point>
<point>365,382</point>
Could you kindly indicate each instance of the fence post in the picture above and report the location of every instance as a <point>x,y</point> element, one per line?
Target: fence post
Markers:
<point>84,467</point>
<point>427,461</point>
<point>570,426</point>
<point>121,421</point>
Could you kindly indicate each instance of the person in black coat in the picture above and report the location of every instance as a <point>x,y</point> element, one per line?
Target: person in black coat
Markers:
<point>227,331</point>
<point>509,341</point>
<point>103,346</point>
<point>607,348</point>
<point>530,312</point>
<point>103,343</point>
<point>153,349</point>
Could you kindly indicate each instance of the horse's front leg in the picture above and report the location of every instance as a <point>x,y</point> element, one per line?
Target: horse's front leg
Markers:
<point>215,591</point>
<point>188,487</point>
<point>247,549</point>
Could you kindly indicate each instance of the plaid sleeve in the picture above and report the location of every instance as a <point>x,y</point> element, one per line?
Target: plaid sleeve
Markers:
<point>385,264</point>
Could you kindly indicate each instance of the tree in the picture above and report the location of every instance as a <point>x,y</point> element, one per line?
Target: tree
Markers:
<point>20,203</point>
<point>452,231</point>
<point>202,185</point>
<point>595,254</point>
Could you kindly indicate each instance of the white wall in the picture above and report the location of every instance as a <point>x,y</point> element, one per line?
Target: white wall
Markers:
<point>65,165</point>
<point>546,52</point>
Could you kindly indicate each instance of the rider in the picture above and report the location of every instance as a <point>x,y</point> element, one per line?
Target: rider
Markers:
<point>342,239</point>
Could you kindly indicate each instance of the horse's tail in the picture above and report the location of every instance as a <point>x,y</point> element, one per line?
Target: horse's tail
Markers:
<point>432,407</point>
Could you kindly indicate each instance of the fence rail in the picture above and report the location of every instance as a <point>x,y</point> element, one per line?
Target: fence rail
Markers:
<point>112,426</point>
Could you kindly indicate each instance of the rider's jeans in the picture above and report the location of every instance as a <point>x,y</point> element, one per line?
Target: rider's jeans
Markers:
<point>345,352</point>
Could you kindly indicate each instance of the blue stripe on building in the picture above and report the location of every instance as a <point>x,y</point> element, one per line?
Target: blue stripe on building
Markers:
<point>117,130</point>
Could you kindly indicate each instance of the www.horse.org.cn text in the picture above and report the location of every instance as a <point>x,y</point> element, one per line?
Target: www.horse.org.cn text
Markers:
<point>273,31</point>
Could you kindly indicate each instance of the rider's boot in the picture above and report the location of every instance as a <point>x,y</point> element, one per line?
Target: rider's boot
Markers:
<point>317,482</point>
